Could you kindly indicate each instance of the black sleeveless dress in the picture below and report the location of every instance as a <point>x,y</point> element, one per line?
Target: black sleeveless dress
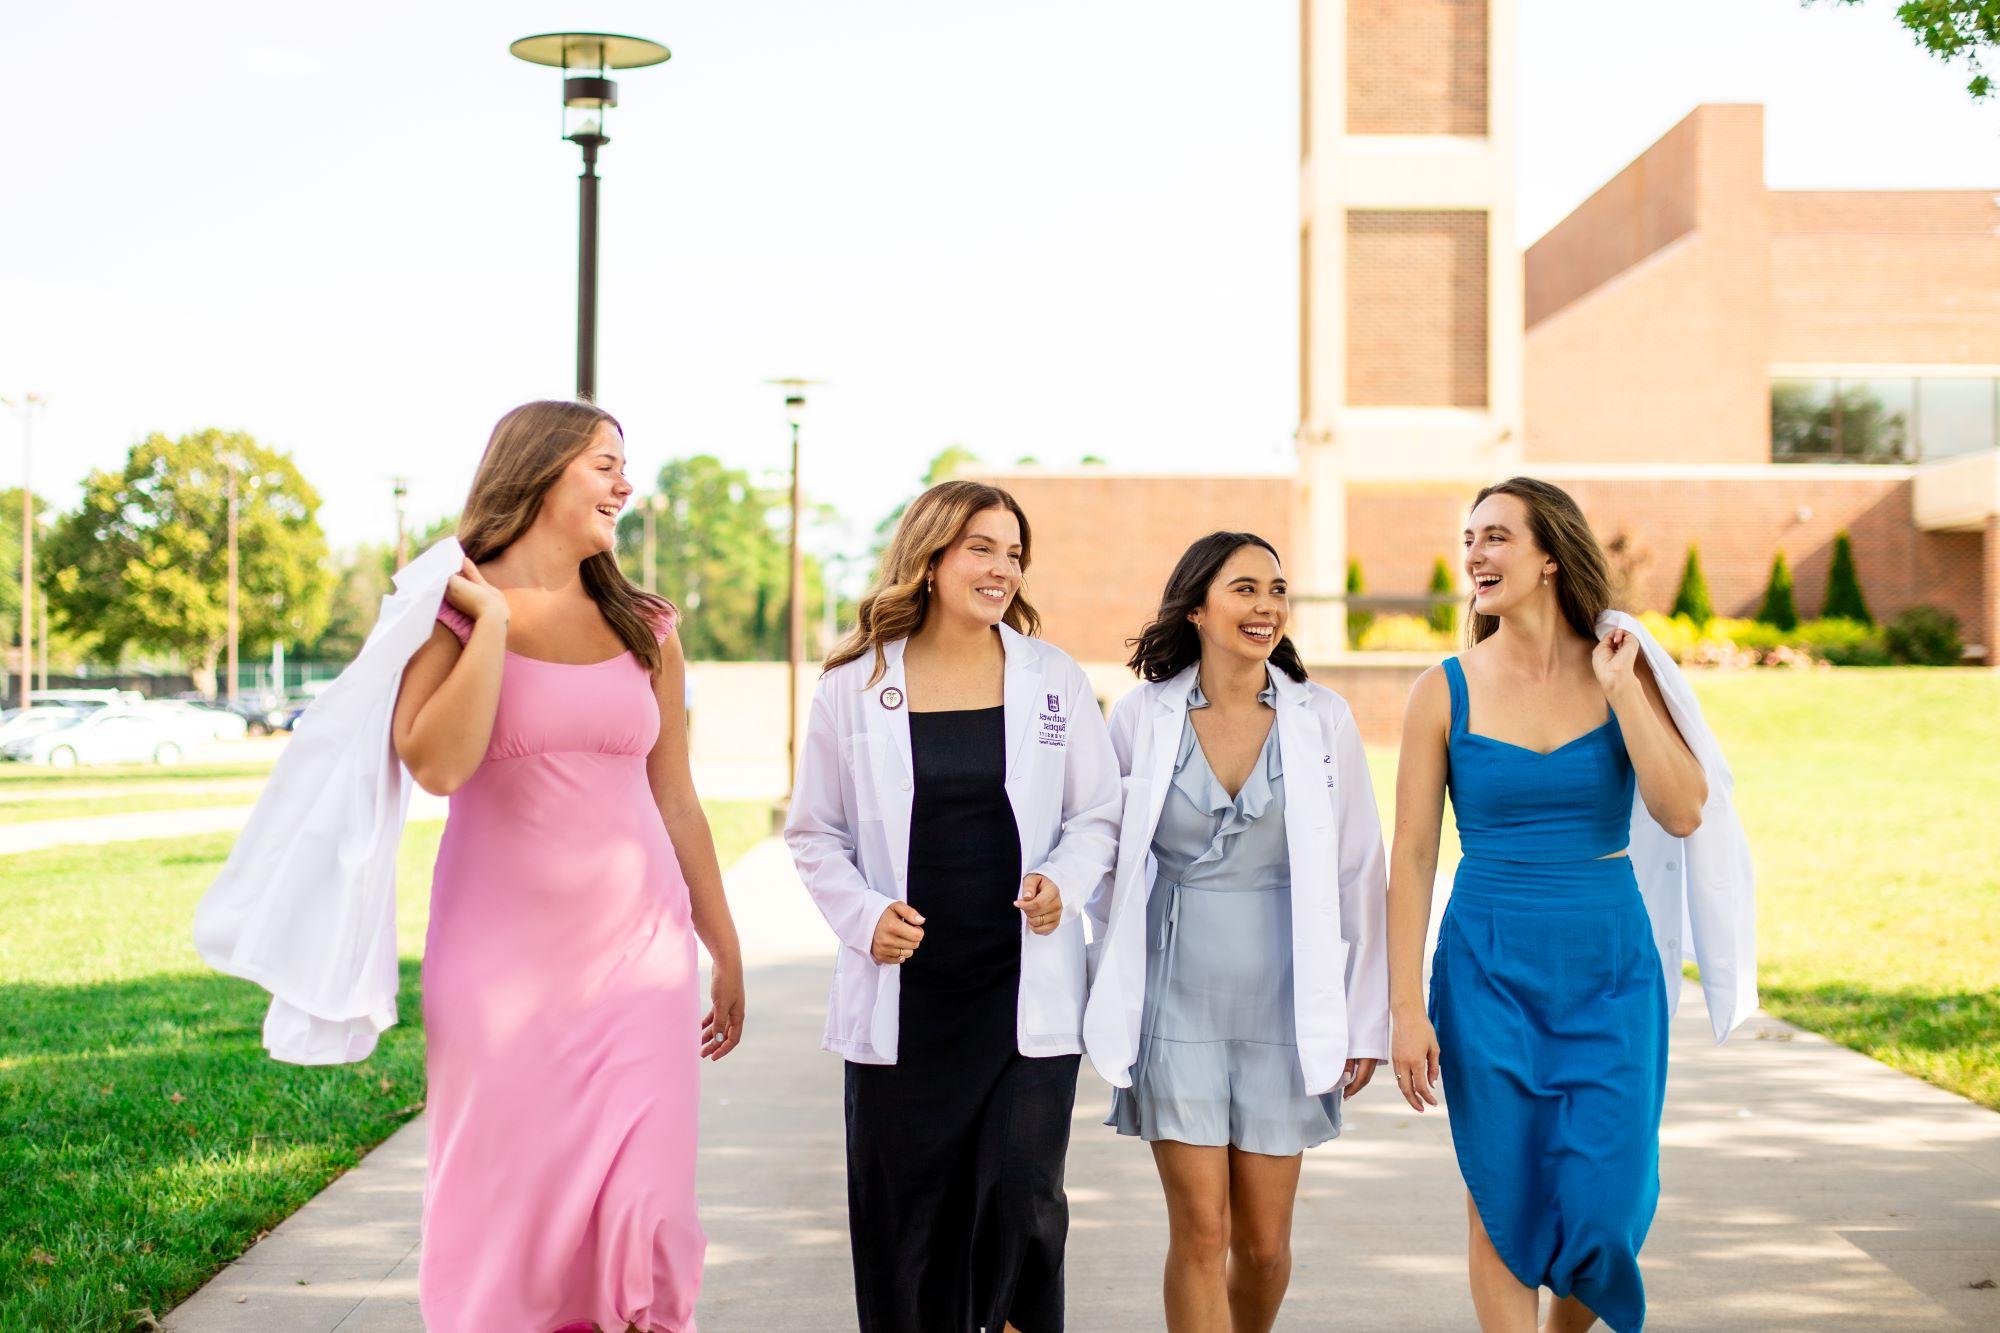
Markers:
<point>955,1152</point>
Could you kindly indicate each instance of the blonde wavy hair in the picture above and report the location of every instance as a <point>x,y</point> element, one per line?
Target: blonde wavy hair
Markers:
<point>898,600</point>
<point>526,455</point>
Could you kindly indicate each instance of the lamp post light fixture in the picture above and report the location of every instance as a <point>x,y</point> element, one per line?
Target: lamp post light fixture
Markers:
<point>795,605</point>
<point>586,60</point>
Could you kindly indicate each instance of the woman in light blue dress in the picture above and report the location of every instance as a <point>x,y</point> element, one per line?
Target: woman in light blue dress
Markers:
<point>1548,1011</point>
<point>1240,985</point>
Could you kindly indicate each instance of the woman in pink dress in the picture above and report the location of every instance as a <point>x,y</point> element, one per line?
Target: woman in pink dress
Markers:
<point>561,1007</point>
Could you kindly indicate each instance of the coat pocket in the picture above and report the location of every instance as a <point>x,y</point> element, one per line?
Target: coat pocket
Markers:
<point>861,755</point>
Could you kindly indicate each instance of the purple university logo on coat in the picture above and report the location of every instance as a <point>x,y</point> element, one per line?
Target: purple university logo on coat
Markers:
<point>1055,727</point>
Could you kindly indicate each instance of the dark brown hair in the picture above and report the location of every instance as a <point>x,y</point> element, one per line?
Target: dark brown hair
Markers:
<point>1558,528</point>
<point>529,450</point>
<point>1170,643</point>
<point>899,599</point>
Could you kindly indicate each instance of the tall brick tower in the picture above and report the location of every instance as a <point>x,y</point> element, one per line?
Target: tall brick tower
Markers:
<point>1410,288</point>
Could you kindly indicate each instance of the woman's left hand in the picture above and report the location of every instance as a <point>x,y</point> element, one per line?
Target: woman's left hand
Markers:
<point>722,1025</point>
<point>1041,903</point>
<point>1358,1074</point>
<point>1614,660</point>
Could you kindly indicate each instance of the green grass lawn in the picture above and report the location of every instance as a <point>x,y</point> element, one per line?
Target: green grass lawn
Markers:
<point>20,776</point>
<point>145,1137</point>
<point>82,807</point>
<point>1871,798</point>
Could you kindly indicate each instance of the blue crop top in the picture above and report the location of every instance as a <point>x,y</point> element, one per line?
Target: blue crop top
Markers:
<point>1515,804</point>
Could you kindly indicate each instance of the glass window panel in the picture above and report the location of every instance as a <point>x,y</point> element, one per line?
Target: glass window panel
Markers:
<point>1954,416</point>
<point>1874,424</point>
<point>1801,419</point>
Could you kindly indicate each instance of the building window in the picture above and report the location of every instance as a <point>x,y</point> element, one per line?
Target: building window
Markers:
<point>1876,419</point>
<point>1954,416</point>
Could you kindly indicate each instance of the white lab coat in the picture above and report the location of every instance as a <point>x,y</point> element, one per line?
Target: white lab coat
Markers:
<point>849,833</point>
<point>1700,890</point>
<point>1340,880</point>
<point>305,906</point>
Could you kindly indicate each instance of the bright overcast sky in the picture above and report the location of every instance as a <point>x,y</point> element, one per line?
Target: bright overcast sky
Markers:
<point>1032,228</point>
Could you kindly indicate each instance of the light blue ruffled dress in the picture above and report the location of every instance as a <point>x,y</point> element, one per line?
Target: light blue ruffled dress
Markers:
<point>1218,1042</point>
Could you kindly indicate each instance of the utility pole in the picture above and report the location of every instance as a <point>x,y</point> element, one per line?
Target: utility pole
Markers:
<point>230,689</point>
<point>401,487</point>
<point>29,405</point>
<point>650,571</point>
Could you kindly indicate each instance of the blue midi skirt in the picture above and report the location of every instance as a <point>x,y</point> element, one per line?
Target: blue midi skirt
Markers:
<point>1551,1016</point>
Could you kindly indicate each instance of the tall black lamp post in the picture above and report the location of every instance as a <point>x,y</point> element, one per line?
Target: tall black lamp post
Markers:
<point>586,60</point>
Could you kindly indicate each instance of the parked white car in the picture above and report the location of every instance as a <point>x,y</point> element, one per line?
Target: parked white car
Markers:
<point>194,724</point>
<point>22,723</point>
<point>105,736</point>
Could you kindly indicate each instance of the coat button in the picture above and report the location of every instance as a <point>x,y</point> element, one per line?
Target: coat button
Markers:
<point>1673,865</point>
<point>906,784</point>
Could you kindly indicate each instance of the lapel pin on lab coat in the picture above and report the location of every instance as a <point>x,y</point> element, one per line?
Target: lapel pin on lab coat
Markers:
<point>891,697</point>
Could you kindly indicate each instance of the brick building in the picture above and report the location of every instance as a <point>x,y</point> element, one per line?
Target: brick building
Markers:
<point>1696,357</point>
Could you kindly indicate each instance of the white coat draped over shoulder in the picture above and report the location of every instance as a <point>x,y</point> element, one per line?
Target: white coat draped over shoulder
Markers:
<point>1339,891</point>
<point>305,905</point>
<point>849,833</point>
<point>1700,890</point>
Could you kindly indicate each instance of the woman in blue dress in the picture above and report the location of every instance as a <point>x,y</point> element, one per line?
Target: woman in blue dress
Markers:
<point>1548,1008</point>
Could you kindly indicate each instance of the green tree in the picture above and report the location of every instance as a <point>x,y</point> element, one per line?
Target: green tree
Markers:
<point>1692,600</point>
<point>361,581</point>
<point>1843,585</point>
<point>1779,609</point>
<point>723,560</point>
<point>1953,30</point>
<point>1443,616</point>
<point>1357,621</point>
<point>143,561</point>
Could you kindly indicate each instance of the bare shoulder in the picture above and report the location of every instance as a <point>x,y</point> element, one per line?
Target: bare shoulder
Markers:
<point>1427,716</point>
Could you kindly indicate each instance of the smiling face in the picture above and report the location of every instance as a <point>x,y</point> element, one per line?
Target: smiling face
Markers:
<point>977,576</point>
<point>1502,560</point>
<point>1247,607</point>
<point>582,507</point>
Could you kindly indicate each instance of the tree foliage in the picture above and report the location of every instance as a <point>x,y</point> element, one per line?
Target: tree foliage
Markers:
<point>1843,586</point>
<point>1953,30</point>
<point>1358,621</point>
<point>1779,608</point>
<point>143,561</point>
<point>723,560</point>
<point>1692,599</point>
<point>10,559</point>
<point>1443,616</point>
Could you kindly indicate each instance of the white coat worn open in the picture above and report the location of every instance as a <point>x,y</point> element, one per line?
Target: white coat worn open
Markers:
<point>849,832</point>
<point>1338,880</point>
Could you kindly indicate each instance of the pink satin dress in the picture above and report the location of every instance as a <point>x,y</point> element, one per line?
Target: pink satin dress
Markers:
<point>562,1023</point>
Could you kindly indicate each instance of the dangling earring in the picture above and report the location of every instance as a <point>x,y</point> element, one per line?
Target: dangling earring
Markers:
<point>929,584</point>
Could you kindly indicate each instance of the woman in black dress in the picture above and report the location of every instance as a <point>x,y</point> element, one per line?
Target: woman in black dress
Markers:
<point>957,800</point>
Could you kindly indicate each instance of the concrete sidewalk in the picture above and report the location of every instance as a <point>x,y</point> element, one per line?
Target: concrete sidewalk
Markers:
<point>1806,1187</point>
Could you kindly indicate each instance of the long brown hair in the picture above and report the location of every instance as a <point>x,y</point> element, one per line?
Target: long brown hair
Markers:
<point>1558,527</point>
<point>1171,643</point>
<point>526,455</point>
<point>898,600</point>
